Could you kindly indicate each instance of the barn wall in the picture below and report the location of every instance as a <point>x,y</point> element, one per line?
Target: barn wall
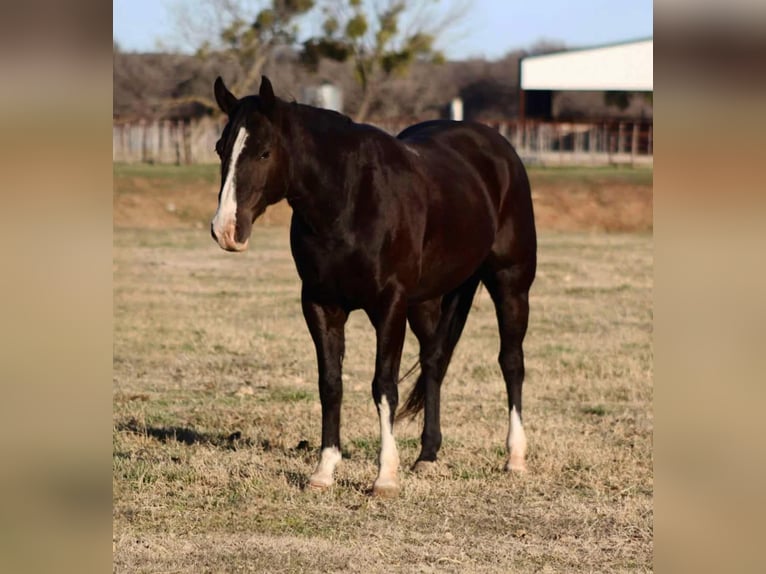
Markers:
<point>628,67</point>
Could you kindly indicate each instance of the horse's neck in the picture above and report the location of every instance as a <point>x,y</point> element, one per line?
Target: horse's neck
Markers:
<point>316,193</point>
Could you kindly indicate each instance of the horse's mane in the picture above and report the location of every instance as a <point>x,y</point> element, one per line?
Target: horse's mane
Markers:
<point>321,117</point>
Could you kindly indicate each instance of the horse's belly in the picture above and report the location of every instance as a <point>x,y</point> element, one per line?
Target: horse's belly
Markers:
<point>448,265</point>
<point>351,278</point>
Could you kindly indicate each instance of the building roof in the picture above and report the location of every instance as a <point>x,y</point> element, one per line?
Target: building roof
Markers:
<point>627,66</point>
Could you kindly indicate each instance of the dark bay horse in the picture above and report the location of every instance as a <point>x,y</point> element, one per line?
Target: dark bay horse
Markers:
<point>404,228</point>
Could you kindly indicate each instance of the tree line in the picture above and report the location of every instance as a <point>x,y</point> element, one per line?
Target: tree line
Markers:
<point>383,54</point>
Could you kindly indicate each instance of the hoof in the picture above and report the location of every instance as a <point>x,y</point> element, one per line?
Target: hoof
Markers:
<point>319,483</point>
<point>516,466</point>
<point>424,467</point>
<point>385,490</point>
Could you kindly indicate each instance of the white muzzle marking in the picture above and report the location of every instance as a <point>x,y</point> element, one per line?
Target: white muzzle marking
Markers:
<point>225,220</point>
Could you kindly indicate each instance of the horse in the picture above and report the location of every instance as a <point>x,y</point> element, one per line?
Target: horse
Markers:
<point>404,228</point>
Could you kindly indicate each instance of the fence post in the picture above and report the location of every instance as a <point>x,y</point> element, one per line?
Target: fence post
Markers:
<point>608,142</point>
<point>578,141</point>
<point>193,141</point>
<point>527,137</point>
<point>126,142</point>
<point>163,141</point>
<point>620,138</point>
<point>179,141</point>
<point>540,143</point>
<point>144,140</point>
<point>560,137</point>
<point>117,143</point>
<point>127,151</point>
<point>634,144</point>
<point>160,142</point>
<point>155,141</point>
<point>169,145</point>
<point>186,143</point>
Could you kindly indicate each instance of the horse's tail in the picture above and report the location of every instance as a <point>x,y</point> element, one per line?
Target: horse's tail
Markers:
<point>415,402</point>
<point>455,309</point>
<point>409,372</point>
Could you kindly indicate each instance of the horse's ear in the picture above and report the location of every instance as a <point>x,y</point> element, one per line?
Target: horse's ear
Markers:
<point>226,100</point>
<point>266,94</point>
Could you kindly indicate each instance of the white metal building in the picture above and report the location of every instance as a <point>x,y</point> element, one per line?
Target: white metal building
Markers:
<point>627,66</point>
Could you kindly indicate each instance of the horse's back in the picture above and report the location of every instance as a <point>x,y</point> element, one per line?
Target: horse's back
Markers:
<point>485,150</point>
<point>453,133</point>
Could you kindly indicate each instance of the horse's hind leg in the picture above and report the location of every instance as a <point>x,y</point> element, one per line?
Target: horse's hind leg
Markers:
<point>424,321</point>
<point>438,326</point>
<point>509,288</point>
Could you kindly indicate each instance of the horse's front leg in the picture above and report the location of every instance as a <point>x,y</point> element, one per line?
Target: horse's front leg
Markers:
<point>326,324</point>
<point>389,319</point>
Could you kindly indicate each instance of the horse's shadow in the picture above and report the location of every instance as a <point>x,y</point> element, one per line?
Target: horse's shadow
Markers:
<point>297,480</point>
<point>235,441</point>
<point>300,481</point>
<point>189,436</point>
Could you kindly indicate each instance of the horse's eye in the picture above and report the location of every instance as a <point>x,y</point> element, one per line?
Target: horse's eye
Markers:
<point>264,155</point>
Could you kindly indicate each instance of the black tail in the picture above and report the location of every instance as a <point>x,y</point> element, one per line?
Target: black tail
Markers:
<point>406,375</point>
<point>415,402</point>
<point>455,309</point>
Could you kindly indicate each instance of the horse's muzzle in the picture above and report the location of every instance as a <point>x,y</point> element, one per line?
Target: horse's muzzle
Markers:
<point>225,239</point>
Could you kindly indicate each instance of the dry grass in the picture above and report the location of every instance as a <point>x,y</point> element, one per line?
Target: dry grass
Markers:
<point>217,422</point>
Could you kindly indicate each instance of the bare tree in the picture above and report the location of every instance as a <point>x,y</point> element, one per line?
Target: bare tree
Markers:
<point>241,35</point>
<point>382,39</point>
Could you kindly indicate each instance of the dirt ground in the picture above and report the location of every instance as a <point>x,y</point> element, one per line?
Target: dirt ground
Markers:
<point>578,207</point>
<point>565,199</point>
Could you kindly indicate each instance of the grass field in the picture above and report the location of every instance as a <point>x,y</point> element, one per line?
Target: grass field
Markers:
<point>568,198</point>
<point>217,420</point>
<point>210,172</point>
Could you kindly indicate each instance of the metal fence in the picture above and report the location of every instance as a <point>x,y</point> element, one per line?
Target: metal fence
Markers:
<point>543,143</point>
<point>170,142</point>
<point>582,143</point>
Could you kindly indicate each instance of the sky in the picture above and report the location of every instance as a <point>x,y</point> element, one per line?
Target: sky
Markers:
<point>490,29</point>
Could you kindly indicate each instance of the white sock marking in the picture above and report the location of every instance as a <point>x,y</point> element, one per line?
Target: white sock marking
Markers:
<point>389,457</point>
<point>328,459</point>
<point>225,216</point>
<point>516,443</point>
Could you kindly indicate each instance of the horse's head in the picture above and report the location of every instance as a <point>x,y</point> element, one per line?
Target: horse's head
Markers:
<point>249,149</point>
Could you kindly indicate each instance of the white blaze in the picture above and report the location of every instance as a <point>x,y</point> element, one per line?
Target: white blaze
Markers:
<point>322,476</point>
<point>227,206</point>
<point>516,443</point>
<point>389,457</point>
